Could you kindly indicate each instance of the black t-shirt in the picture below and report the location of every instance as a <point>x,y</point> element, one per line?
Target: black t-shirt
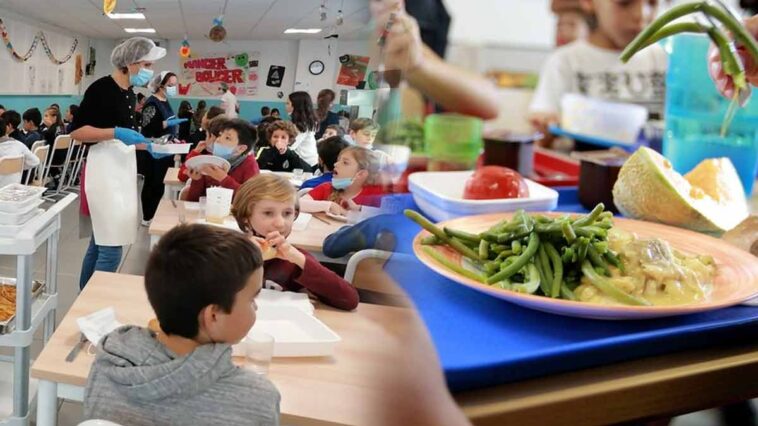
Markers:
<point>106,105</point>
<point>270,159</point>
<point>154,113</point>
<point>331,118</point>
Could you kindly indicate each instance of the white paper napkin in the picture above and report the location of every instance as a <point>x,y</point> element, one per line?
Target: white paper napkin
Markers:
<point>98,324</point>
<point>301,224</point>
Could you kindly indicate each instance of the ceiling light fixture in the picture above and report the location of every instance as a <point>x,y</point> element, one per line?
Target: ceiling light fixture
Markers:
<point>140,30</point>
<point>302,31</point>
<point>126,16</point>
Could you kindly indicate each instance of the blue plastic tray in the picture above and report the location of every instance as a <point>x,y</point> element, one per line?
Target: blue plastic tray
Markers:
<point>483,341</point>
<point>592,140</point>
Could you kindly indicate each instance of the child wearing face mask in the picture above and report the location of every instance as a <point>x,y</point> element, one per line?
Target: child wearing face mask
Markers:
<point>236,138</point>
<point>355,182</point>
<point>265,207</point>
<point>212,124</point>
<point>278,157</point>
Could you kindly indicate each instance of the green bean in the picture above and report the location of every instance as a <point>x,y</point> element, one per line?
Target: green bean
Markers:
<point>490,268</point>
<point>614,260</point>
<point>483,252</point>
<point>588,219</point>
<point>516,246</point>
<point>531,249</point>
<point>507,238</point>
<point>544,260</point>
<point>591,232</point>
<point>470,244</point>
<point>557,279</point>
<point>431,240</point>
<point>604,224</point>
<point>582,246</point>
<point>543,276</point>
<point>598,260</point>
<point>732,68</point>
<point>568,231</point>
<point>503,255</point>
<point>673,29</point>
<point>439,257</point>
<point>531,282</point>
<point>489,236</point>
<point>569,255</point>
<point>609,289</point>
<point>546,228</point>
<point>497,248</point>
<point>566,292</point>
<point>439,233</point>
<point>461,235</point>
<point>601,246</point>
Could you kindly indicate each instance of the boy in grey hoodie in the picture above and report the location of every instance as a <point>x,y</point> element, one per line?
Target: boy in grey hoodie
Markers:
<point>201,282</point>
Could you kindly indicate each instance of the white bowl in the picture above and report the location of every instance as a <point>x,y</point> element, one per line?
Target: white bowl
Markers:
<point>440,196</point>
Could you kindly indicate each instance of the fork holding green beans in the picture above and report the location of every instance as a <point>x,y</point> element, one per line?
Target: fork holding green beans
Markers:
<point>530,254</point>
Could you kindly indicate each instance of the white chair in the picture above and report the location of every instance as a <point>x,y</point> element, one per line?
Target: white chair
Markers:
<point>365,271</point>
<point>11,166</point>
<point>41,151</point>
<point>37,144</point>
<point>61,142</point>
<point>76,164</point>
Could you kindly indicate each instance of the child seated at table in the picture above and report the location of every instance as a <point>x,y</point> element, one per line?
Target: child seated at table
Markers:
<point>205,146</point>
<point>236,138</point>
<point>10,147</point>
<point>356,181</point>
<point>183,373</point>
<point>331,131</point>
<point>32,119</point>
<point>328,151</point>
<point>265,207</point>
<point>277,157</point>
<point>363,132</point>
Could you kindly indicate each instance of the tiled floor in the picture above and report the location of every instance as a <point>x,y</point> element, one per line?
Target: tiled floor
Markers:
<point>71,252</point>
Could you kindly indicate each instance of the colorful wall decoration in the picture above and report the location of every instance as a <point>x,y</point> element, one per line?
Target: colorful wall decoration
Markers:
<point>352,70</point>
<point>202,74</point>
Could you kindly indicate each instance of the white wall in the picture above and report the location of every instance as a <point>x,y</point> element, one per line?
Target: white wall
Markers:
<point>103,49</point>
<point>38,75</point>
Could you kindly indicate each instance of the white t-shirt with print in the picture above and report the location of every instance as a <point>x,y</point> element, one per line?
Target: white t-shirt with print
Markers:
<point>582,68</point>
<point>305,147</point>
<point>12,148</point>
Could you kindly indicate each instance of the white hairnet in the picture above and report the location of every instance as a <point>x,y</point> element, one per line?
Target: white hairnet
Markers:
<point>155,82</point>
<point>133,50</point>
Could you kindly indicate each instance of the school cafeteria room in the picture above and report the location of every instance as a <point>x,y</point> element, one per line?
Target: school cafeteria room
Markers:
<point>378,212</point>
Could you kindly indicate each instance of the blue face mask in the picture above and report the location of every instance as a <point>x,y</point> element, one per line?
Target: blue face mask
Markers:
<point>141,78</point>
<point>341,183</point>
<point>223,151</point>
<point>171,91</point>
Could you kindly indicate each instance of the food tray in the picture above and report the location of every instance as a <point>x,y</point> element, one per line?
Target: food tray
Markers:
<point>13,230</point>
<point>440,196</point>
<point>296,334</point>
<point>15,198</point>
<point>20,217</point>
<point>38,287</point>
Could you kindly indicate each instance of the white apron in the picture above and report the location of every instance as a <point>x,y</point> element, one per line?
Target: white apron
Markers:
<point>111,187</point>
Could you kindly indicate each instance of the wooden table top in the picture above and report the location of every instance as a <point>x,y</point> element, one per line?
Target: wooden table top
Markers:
<point>310,239</point>
<point>172,177</point>
<point>348,388</point>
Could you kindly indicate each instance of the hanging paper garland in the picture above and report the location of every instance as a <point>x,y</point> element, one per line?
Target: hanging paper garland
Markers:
<point>109,6</point>
<point>184,50</point>
<point>37,38</point>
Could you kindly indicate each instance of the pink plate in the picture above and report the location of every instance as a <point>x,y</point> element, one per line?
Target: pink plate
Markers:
<point>736,277</point>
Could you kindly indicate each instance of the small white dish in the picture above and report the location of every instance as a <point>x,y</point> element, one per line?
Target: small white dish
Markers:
<point>196,163</point>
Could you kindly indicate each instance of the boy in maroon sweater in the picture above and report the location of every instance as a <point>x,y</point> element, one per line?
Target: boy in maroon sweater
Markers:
<point>236,139</point>
<point>265,208</point>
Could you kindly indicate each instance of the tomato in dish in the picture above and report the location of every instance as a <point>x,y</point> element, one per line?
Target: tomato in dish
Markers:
<point>494,182</point>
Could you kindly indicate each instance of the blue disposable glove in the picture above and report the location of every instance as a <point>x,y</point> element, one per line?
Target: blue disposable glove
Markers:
<point>128,136</point>
<point>156,154</point>
<point>173,121</point>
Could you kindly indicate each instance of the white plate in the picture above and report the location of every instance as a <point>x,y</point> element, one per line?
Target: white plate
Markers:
<point>22,216</point>
<point>15,198</point>
<point>338,217</point>
<point>195,163</point>
<point>440,196</point>
<point>229,223</point>
<point>296,334</point>
<point>172,148</point>
<point>13,230</point>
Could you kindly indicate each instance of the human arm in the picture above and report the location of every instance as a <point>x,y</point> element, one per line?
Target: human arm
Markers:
<point>724,83</point>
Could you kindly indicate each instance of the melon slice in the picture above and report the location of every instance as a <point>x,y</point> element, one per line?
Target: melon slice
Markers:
<point>708,199</point>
